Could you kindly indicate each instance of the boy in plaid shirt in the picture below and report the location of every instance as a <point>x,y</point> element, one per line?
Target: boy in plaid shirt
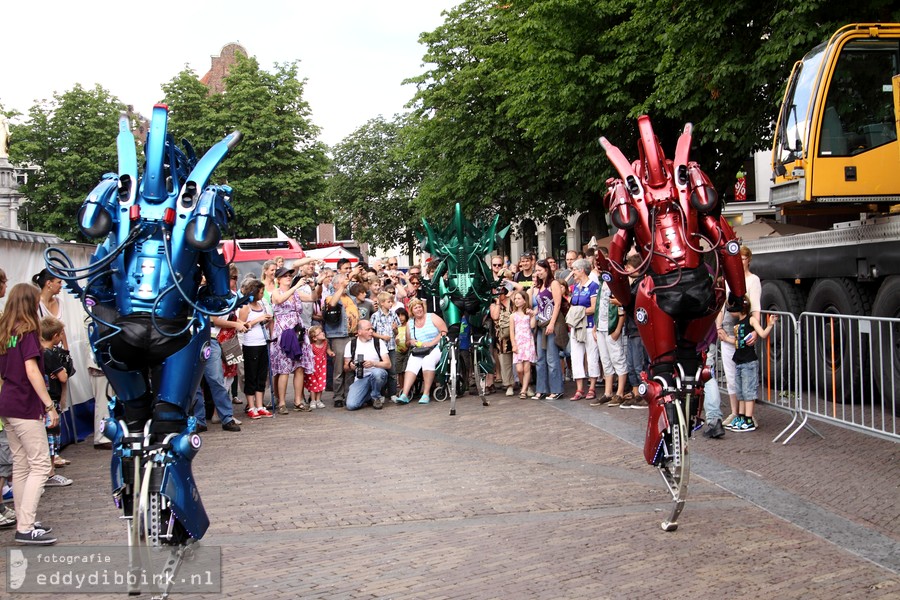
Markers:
<point>384,325</point>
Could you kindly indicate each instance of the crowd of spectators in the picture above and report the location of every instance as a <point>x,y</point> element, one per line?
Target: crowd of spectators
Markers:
<point>367,335</point>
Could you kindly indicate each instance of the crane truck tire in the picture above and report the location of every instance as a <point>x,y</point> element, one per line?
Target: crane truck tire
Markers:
<point>778,352</point>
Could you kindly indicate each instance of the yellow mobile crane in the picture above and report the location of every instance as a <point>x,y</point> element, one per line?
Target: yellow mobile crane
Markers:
<point>836,167</point>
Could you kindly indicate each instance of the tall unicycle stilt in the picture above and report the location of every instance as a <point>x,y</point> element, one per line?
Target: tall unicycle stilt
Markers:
<point>480,373</point>
<point>453,377</point>
<point>675,464</point>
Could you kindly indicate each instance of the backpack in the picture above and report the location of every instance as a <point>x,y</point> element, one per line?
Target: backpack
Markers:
<point>503,324</point>
<point>332,314</point>
<point>353,348</point>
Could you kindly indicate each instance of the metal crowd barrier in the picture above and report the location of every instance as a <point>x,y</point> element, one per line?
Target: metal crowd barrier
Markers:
<point>840,369</point>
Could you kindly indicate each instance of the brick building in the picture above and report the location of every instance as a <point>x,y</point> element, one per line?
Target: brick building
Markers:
<point>215,77</point>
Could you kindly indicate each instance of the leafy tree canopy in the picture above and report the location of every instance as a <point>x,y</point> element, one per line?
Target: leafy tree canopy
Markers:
<point>518,92</point>
<point>374,183</point>
<point>72,139</point>
<point>278,169</point>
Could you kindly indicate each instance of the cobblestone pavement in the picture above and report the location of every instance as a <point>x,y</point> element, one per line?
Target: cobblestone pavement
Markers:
<point>519,500</point>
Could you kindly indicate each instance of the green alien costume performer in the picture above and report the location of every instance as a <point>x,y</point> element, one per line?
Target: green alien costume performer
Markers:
<point>463,281</point>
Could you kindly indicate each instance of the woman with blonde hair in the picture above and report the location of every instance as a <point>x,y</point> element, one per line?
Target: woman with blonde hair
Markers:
<point>26,409</point>
<point>268,278</point>
<point>425,331</point>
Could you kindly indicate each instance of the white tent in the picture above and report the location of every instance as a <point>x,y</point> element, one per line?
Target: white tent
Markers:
<point>21,256</point>
<point>331,254</point>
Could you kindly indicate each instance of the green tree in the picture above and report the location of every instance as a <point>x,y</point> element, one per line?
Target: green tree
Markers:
<point>278,170</point>
<point>518,93</point>
<point>469,150</point>
<point>191,110</point>
<point>72,139</point>
<point>372,180</point>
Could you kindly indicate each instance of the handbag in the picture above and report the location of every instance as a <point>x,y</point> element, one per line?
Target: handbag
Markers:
<point>561,334</point>
<point>413,350</point>
<point>232,353</point>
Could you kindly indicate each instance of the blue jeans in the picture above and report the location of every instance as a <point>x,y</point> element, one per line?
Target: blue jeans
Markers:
<point>747,381</point>
<point>636,359</point>
<point>549,375</point>
<point>215,379</point>
<point>712,399</point>
<point>365,389</point>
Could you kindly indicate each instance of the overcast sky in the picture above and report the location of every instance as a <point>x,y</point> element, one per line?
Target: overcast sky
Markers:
<point>354,53</point>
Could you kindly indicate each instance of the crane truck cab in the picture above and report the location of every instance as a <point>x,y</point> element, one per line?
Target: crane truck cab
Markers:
<point>835,166</point>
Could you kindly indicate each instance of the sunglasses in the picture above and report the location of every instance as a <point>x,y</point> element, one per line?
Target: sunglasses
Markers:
<point>392,264</point>
<point>497,265</point>
<point>234,278</point>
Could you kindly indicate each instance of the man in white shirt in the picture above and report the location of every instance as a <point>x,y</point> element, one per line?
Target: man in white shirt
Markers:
<point>375,363</point>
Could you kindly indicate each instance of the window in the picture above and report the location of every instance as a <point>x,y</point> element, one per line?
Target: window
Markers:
<point>557,249</point>
<point>529,236</point>
<point>859,111</point>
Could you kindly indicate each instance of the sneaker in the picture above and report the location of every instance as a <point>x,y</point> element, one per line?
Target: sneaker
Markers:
<point>735,424</point>
<point>236,420</point>
<point>231,426</point>
<point>727,422</point>
<point>424,399</point>
<point>7,492</point>
<point>639,402</point>
<point>253,414</point>
<point>616,400</point>
<point>509,391</point>
<point>57,481</point>
<point>39,537</point>
<point>319,404</point>
<point>39,525</point>
<point>263,412</point>
<point>402,399</point>
<point>626,402</point>
<point>311,405</point>
<point>378,404</point>
<point>747,424</point>
<point>601,400</point>
<point>7,521</point>
<point>715,430</point>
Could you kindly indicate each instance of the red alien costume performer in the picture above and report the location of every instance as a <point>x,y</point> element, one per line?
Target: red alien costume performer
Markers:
<point>670,212</point>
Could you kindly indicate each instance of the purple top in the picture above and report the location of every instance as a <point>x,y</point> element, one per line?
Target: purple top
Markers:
<point>17,398</point>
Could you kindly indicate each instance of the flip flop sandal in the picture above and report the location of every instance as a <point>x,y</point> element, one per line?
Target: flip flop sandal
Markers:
<point>578,396</point>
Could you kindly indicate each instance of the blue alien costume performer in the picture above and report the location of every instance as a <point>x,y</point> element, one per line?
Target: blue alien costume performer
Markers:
<point>150,318</point>
<point>465,284</point>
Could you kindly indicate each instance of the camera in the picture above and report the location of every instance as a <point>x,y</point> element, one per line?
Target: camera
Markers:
<point>359,366</point>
